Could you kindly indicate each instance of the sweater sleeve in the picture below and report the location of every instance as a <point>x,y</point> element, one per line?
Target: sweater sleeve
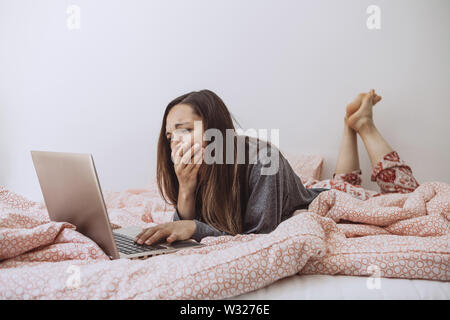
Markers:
<point>265,202</point>
<point>202,229</point>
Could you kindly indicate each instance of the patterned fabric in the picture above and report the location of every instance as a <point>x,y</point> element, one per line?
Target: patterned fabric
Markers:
<point>395,235</point>
<point>392,175</point>
<point>356,232</point>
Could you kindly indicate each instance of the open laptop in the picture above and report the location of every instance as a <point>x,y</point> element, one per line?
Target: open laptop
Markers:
<point>72,193</point>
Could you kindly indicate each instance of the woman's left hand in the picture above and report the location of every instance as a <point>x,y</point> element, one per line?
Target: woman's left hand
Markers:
<point>172,231</point>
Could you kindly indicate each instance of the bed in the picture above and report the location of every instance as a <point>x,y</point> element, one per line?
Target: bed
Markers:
<point>337,287</point>
<point>393,246</point>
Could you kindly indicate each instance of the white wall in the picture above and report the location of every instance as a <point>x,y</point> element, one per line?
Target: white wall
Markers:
<point>291,65</point>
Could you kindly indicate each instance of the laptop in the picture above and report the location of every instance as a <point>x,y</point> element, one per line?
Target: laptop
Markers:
<point>72,193</point>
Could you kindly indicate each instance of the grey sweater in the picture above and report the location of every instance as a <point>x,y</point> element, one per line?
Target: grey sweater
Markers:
<point>272,199</point>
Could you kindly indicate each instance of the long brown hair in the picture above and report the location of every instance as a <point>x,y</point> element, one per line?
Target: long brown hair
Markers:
<point>220,194</point>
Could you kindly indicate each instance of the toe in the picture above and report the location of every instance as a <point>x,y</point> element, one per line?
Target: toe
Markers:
<point>376,99</point>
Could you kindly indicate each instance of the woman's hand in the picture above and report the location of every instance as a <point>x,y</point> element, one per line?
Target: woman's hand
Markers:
<point>187,160</point>
<point>172,231</point>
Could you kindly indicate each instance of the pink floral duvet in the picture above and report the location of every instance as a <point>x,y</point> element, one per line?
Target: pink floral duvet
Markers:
<point>395,235</point>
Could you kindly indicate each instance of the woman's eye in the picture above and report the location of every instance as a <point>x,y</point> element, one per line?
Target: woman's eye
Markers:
<point>183,131</point>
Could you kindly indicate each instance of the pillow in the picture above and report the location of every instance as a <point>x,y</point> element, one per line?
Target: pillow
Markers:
<point>306,165</point>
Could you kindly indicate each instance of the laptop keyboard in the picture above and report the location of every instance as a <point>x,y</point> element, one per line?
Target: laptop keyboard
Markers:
<point>128,246</point>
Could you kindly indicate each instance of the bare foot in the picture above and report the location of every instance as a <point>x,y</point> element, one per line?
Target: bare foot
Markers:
<point>353,106</point>
<point>364,113</point>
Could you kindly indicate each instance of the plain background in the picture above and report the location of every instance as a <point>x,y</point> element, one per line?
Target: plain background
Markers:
<point>291,65</point>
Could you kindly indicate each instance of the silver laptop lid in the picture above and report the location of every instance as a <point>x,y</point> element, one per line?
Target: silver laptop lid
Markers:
<point>72,193</point>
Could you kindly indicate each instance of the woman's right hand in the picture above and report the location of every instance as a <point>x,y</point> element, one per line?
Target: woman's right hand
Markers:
<point>187,159</point>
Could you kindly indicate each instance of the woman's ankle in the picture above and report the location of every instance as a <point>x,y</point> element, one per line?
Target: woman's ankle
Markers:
<point>366,126</point>
<point>347,129</point>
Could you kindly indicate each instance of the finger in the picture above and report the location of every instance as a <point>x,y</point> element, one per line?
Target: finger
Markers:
<point>140,234</point>
<point>148,233</point>
<point>196,161</point>
<point>195,149</point>
<point>187,157</point>
<point>142,237</point>
<point>187,145</point>
<point>178,153</point>
<point>156,237</point>
<point>198,155</point>
<point>182,150</point>
<point>172,238</point>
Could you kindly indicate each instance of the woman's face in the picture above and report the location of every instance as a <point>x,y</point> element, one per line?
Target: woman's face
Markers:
<point>180,126</point>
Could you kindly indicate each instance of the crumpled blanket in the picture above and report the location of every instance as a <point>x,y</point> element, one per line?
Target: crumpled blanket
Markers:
<point>393,235</point>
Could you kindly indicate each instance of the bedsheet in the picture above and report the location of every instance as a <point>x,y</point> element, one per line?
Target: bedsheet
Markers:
<point>395,235</point>
<point>339,287</point>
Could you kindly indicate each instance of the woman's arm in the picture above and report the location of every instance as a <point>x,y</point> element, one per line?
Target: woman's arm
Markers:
<point>186,166</point>
<point>201,229</point>
<point>186,205</point>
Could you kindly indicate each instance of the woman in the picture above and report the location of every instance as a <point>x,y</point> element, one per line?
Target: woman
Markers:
<point>213,198</point>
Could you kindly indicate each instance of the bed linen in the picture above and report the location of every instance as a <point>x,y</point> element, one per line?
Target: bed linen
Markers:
<point>400,235</point>
<point>338,287</point>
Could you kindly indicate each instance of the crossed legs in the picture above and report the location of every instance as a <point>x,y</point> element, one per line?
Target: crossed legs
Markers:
<point>391,173</point>
<point>348,159</point>
<point>359,119</point>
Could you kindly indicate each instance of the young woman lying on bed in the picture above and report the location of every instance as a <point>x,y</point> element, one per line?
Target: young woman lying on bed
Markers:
<point>214,198</point>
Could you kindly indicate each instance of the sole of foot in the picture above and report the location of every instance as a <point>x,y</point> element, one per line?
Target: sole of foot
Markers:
<point>363,114</point>
<point>353,106</point>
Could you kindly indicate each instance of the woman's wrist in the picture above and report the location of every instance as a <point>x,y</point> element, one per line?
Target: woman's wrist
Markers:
<point>186,192</point>
<point>186,204</point>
